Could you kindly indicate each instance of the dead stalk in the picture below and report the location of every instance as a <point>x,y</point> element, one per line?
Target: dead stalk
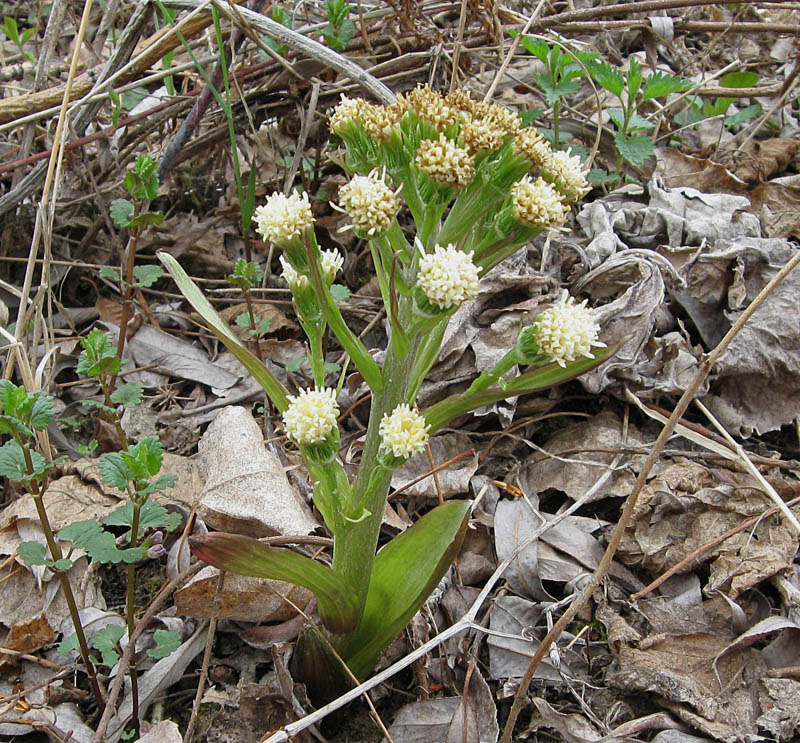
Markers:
<point>706,365</point>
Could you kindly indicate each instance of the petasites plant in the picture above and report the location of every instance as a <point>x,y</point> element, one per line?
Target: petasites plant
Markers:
<point>477,186</point>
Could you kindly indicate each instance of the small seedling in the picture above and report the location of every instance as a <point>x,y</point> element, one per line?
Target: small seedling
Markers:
<point>12,32</point>
<point>340,28</point>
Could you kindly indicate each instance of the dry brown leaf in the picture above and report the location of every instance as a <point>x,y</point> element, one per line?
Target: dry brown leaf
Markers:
<point>28,635</point>
<point>758,161</point>
<point>244,599</point>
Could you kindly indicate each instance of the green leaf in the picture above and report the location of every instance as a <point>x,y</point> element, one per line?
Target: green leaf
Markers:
<point>114,471</point>
<point>41,411</point>
<point>248,556</point>
<point>12,462</point>
<point>147,275</point>
<point>62,565</point>
<point>339,292</point>
<point>606,76</point>
<point>634,79</point>
<point>128,395</point>
<point>111,274</point>
<point>99,355</point>
<point>405,572</point>
<point>68,644</point>
<point>152,515</point>
<point>242,320</point>
<point>98,544</point>
<point>147,218</point>
<point>272,386</point>
<point>131,98</point>
<point>167,642</point>
<point>122,212</point>
<point>145,170</point>
<point>538,47</point>
<point>660,84</point>
<point>32,553</point>
<point>12,425</point>
<point>106,642</point>
<point>88,449</point>
<point>554,93</point>
<point>150,453</point>
<point>294,365</point>
<point>742,79</point>
<point>635,148</point>
<point>11,397</point>
<point>329,367</point>
<point>245,274</point>
<point>744,115</point>
<point>635,122</point>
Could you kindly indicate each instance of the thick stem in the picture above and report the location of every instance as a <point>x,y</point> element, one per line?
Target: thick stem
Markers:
<point>130,616</point>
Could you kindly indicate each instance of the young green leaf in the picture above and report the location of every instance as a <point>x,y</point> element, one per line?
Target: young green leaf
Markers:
<point>660,84</point>
<point>606,76</point>
<point>68,645</point>
<point>339,292</point>
<point>635,148</point>
<point>745,114</point>
<point>152,515</point>
<point>128,395</point>
<point>12,397</point>
<point>121,211</point>
<point>149,452</point>
<point>242,320</point>
<point>13,464</point>
<point>167,642</point>
<point>99,355</point>
<point>106,642</point>
<point>634,79</point>
<point>113,471</point>
<point>32,553</point>
<point>741,79</point>
<point>554,93</point>
<point>538,47</point>
<point>41,411</point>
<point>110,274</point>
<point>147,275</point>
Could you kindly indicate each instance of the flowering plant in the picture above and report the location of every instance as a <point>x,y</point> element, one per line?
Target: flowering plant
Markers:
<point>478,187</point>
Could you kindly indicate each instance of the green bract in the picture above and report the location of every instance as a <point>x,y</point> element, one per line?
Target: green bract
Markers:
<point>457,166</point>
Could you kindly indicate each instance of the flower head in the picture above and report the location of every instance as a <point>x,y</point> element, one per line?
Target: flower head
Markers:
<point>403,432</point>
<point>348,111</point>
<point>566,331</point>
<point>448,276</point>
<point>433,107</point>
<point>294,279</point>
<point>370,202</point>
<point>445,161</point>
<point>537,203</point>
<point>332,263</point>
<point>311,416</point>
<point>284,219</point>
<point>533,146</point>
<point>566,173</point>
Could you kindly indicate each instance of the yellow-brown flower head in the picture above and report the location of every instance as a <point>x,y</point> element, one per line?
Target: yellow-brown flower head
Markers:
<point>533,146</point>
<point>445,162</point>
<point>537,203</point>
<point>488,126</point>
<point>349,111</point>
<point>566,173</point>
<point>461,100</point>
<point>369,202</point>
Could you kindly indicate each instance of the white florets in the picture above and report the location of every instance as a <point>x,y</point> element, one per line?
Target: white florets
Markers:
<point>284,218</point>
<point>445,162</point>
<point>566,173</point>
<point>291,277</point>
<point>567,330</point>
<point>448,276</point>
<point>537,203</point>
<point>403,432</point>
<point>311,416</point>
<point>332,263</point>
<point>369,202</point>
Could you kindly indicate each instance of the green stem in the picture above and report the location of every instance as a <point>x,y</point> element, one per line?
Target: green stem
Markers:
<point>63,579</point>
<point>252,315</point>
<point>130,616</point>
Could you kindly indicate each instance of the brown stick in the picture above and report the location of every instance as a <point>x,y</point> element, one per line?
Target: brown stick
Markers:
<point>616,536</point>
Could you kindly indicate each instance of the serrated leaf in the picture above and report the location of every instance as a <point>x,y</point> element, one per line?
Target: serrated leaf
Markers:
<point>554,93</point>
<point>146,219</point>
<point>147,275</point>
<point>294,365</point>
<point>160,483</point>
<point>80,533</point>
<point>62,565</point>
<point>41,411</point>
<point>339,292</point>
<point>99,355</point>
<point>113,471</point>
<point>635,148</point>
<point>121,211</point>
<point>634,78</point>
<point>660,84</point>
<point>606,76</point>
<point>110,274</point>
<point>11,397</point>
<point>128,395</point>
<point>639,123</point>
<point>152,515</point>
<point>149,452</point>
<point>538,47</point>
<point>329,367</point>
<point>12,425</point>
<point>145,169</point>
<point>745,114</point>
<point>167,642</point>
<point>12,462</point>
<point>32,553</point>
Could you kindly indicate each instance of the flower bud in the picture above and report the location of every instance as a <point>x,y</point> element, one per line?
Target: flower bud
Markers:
<point>369,202</point>
<point>445,162</point>
<point>311,416</point>
<point>562,333</point>
<point>537,203</point>
<point>284,220</point>
<point>447,277</point>
<point>404,433</point>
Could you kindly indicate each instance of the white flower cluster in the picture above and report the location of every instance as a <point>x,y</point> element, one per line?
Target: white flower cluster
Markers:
<point>444,161</point>
<point>369,202</point>
<point>331,264</point>
<point>403,432</point>
<point>567,330</point>
<point>448,276</point>
<point>566,173</point>
<point>311,416</point>
<point>537,203</point>
<point>283,219</point>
